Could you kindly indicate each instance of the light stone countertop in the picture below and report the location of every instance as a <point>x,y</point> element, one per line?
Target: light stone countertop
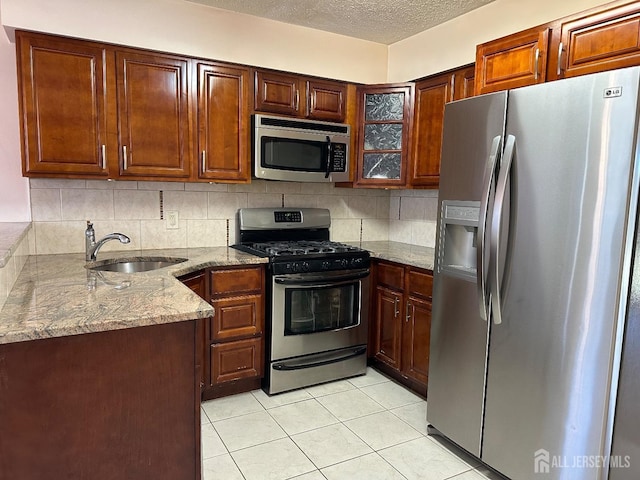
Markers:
<point>10,235</point>
<point>55,295</point>
<point>405,253</point>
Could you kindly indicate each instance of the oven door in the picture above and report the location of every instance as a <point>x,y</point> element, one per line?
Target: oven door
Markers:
<point>318,312</point>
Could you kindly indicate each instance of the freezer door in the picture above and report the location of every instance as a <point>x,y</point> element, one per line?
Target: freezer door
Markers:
<point>566,236</point>
<point>458,333</point>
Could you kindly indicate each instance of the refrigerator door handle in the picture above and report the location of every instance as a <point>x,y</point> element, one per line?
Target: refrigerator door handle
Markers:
<point>494,257</point>
<point>481,267</point>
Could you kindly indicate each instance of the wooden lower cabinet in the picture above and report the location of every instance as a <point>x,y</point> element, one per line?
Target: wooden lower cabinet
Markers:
<point>232,342</point>
<point>399,342</point>
<point>108,405</point>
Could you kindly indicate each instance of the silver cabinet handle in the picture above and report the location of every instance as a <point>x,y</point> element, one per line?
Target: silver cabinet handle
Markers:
<point>481,266</point>
<point>103,152</point>
<point>407,314</point>
<point>124,157</point>
<point>396,312</point>
<point>204,160</point>
<point>297,99</point>
<point>494,259</point>
<point>559,59</point>
<point>535,65</point>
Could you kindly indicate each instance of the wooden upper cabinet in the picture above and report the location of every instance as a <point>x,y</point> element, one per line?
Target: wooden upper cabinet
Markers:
<point>153,115</point>
<point>326,100</point>
<point>63,106</point>
<point>279,93</point>
<point>430,98</point>
<point>224,116</point>
<point>385,119</point>
<point>299,96</point>
<point>513,61</point>
<point>598,40</point>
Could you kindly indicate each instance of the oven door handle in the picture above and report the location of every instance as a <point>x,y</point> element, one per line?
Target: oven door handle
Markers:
<point>314,279</point>
<point>300,365</point>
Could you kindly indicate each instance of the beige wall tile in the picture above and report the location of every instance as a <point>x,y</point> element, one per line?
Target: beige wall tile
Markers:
<point>46,204</point>
<point>345,230</point>
<point>160,186</point>
<point>206,187</point>
<point>261,200</point>
<point>154,234</point>
<point>59,237</point>
<point>32,241</point>
<point>413,208</point>
<point>285,187</point>
<point>190,205</point>
<point>86,204</point>
<point>225,205</point>
<point>362,207</point>
<point>206,233</point>
<point>4,286</point>
<point>431,209</point>
<point>302,201</point>
<point>111,185</point>
<point>394,208</point>
<point>136,205</point>
<point>399,231</point>
<point>374,229</point>
<point>423,233</point>
<point>321,189</point>
<point>256,186</point>
<point>338,206</point>
<point>383,204</point>
<point>56,183</point>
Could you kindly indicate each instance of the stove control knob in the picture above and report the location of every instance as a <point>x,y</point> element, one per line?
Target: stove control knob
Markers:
<point>345,262</point>
<point>326,265</point>
<point>288,267</point>
<point>305,267</point>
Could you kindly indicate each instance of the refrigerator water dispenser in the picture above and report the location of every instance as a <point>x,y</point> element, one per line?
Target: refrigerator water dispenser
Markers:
<point>458,238</point>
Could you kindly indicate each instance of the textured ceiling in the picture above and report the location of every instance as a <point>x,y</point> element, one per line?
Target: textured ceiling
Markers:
<point>381,21</point>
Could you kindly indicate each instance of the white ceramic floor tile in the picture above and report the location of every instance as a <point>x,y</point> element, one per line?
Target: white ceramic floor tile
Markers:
<point>302,416</point>
<point>330,388</point>
<point>367,467</point>
<point>211,443</point>
<point>486,473</point>
<point>422,459</point>
<point>350,404</point>
<point>391,395</point>
<point>280,398</point>
<point>382,430</point>
<point>315,475</point>
<point>467,458</point>
<point>248,430</point>
<point>203,417</point>
<point>276,460</point>
<point>414,414</point>
<point>371,378</point>
<point>220,467</point>
<point>329,445</point>
<point>470,475</point>
<point>232,406</point>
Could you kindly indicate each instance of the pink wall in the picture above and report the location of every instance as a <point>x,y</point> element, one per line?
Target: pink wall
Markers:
<point>14,188</point>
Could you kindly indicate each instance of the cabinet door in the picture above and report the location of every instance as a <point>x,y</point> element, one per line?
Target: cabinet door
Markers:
<point>416,334</point>
<point>279,93</point>
<point>385,121</point>
<point>223,123</point>
<point>236,360</point>
<point>326,100</point>
<point>389,324</point>
<point>464,82</point>
<point>63,106</point>
<point>514,61</point>
<point>237,317</point>
<point>153,115</point>
<point>431,96</point>
<point>236,281</point>
<point>597,41</point>
<point>197,283</point>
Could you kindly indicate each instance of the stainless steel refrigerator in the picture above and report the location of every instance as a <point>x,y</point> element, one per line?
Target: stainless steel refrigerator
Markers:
<point>533,279</point>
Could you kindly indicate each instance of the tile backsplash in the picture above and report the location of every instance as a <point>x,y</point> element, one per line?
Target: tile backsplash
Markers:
<point>207,212</point>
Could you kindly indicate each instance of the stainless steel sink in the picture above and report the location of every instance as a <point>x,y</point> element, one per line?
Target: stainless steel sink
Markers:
<point>124,265</point>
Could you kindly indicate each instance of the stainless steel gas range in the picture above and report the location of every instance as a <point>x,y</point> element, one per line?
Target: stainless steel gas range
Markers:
<point>317,312</point>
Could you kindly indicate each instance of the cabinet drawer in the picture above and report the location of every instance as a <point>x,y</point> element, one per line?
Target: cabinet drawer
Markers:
<point>420,284</point>
<point>237,317</point>
<point>236,360</point>
<point>390,275</point>
<point>236,280</point>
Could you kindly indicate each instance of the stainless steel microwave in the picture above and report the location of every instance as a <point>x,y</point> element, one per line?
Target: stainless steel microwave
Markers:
<point>300,150</point>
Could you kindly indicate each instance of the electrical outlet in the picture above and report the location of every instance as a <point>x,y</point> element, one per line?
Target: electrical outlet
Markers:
<point>171,220</point>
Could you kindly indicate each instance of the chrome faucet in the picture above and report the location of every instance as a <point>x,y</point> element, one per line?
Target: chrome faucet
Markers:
<point>92,247</point>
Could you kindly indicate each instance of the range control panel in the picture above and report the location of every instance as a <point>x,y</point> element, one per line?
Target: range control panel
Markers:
<point>288,217</point>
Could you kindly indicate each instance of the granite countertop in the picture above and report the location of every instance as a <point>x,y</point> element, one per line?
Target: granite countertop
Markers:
<point>55,295</point>
<point>10,235</point>
<point>405,253</point>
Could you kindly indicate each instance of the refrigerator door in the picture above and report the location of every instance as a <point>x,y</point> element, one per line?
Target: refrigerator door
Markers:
<point>458,333</point>
<point>564,248</point>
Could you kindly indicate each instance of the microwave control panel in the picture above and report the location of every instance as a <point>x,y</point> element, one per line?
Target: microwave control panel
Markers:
<point>338,157</point>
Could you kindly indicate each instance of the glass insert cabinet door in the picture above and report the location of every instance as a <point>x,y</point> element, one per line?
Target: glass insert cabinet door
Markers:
<point>319,309</point>
<point>385,115</point>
